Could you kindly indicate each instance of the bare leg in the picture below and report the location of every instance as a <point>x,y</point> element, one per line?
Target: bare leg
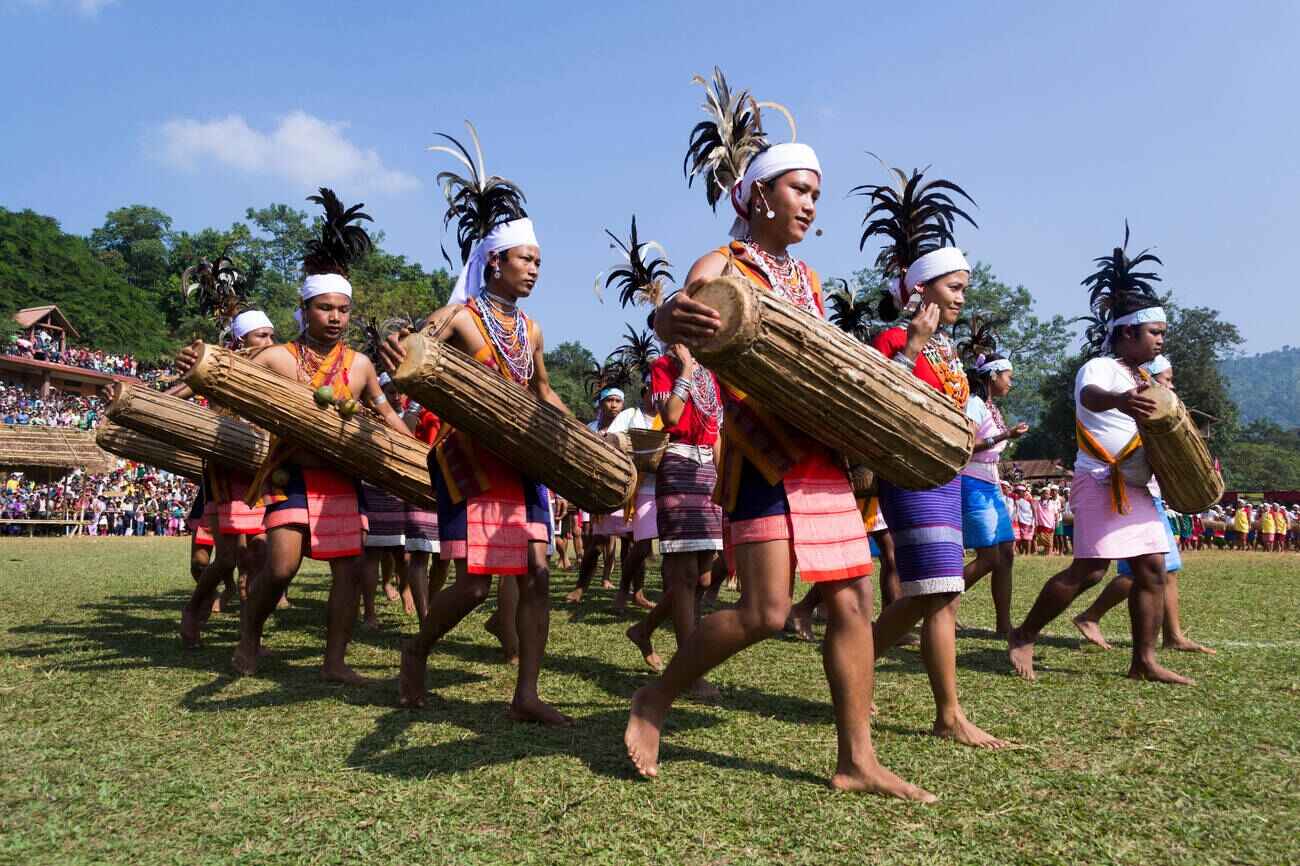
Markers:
<point>417,580</point>
<point>1089,622</point>
<point>219,569</point>
<point>1002,587</point>
<point>533,625</point>
<point>1054,599</point>
<point>801,614</point>
<point>388,568</point>
<point>285,545</point>
<point>501,624</point>
<point>342,612</point>
<point>370,567</point>
<point>1173,624</point>
<point>446,610</point>
<point>587,568</point>
<point>849,664</point>
<point>633,576</point>
<point>939,651</point>
<point>613,544</point>
<point>1146,609</point>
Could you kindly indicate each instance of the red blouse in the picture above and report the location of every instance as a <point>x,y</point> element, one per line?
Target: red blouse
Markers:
<point>693,428</point>
<point>892,341</point>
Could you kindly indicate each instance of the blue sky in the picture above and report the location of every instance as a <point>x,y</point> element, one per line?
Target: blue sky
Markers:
<point>1061,119</point>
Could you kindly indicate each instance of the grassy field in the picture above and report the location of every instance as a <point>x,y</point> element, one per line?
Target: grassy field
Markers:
<point>120,747</point>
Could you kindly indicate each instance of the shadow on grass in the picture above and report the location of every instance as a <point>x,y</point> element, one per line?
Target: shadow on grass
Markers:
<point>596,741</point>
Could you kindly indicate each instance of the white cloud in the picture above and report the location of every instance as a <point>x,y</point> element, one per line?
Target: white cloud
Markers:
<point>84,8</point>
<point>301,148</point>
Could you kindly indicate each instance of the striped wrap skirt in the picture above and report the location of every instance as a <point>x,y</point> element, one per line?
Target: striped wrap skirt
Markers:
<point>926,526</point>
<point>687,518</point>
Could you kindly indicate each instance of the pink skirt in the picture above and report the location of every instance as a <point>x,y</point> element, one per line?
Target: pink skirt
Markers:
<point>1101,533</point>
<point>645,521</point>
<point>611,524</point>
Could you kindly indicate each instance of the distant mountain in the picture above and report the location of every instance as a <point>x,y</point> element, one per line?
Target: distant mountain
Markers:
<point>1266,386</point>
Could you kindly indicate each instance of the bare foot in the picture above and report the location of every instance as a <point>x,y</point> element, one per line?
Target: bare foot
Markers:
<point>703,690</point>
<point>390,592</point>
<point>408,603</point>
<point>644,724</point>
<point>341,673</point>
<point>1187,645</point>
<point>283,603</point>
<point>636,634</point>
<point>642,602</point>
<point>191,629</point>
<point>537,710</point>
<point>966,732</point>
<point>1157,674</point>
<point>216,604</point>
<point>410,680</point>
<point>875,779</point>
<point>574,597</point>
<point>244,661</point>
<point>606,584</point>
<point>1091,631</point>
<point>800,622</point>
<point>1021,652</point>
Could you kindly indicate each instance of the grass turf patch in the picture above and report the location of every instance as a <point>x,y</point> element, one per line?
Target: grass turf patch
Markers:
<point>120,746</point>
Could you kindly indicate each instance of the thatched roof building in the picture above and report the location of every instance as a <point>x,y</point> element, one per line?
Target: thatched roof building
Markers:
<point>55,449</point>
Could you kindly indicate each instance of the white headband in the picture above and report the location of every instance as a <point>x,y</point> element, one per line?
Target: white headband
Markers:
<point>933,264</point>
<point>982,366</point>
<point>516,233</point>
<point>1141,317</point>
<point>777,159</point>
<point>325,284</point>
<point>247,322</point>
<point>1158,365</point>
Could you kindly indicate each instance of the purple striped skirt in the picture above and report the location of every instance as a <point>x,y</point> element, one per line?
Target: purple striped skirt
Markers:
<point>926,528</point>
<point>688,519</point>
<point>387,516</point>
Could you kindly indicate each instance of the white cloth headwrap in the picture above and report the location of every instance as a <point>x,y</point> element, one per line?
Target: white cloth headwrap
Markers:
<point>325,284</point>
<point>933,264</point>
<point>982,366</point>
<point>1157,365</point>
<point>247,322</point>
<point>516,233</point>
<point>1141,317</point>
<point>777,159</point>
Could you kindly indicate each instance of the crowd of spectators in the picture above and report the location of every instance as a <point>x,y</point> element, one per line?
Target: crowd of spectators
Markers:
<point>45,348</point>
<point>19,405</point>
<point>131,500</point>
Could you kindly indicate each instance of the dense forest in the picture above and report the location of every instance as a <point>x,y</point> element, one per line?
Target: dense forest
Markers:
<point>121,287</point>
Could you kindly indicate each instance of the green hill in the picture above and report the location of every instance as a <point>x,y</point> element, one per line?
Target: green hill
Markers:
<point>1266,386</point>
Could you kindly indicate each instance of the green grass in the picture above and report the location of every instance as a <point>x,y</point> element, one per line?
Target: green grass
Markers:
<point>120,747</point>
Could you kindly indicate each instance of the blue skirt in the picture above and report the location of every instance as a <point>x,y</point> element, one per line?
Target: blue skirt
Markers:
<point>927,532</point>
<point>1173,560</point>
<point>985,521</point>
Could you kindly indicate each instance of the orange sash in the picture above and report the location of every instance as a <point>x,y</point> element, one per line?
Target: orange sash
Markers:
<point>1089,445</point>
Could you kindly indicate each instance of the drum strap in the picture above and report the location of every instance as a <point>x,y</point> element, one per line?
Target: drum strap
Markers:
<point>1090,446</point>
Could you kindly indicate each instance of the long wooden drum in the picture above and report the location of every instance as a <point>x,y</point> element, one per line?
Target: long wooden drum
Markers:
<point>840,392</point>
<point>542,442</point>
<point>360,446</point>
<point>1178,455</point>
<point>136,446</point>
<point>230,442</point>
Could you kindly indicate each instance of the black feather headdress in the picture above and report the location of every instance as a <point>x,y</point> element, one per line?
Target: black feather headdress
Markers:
<point>914,216</point>
<point>341,243</point>
<point>478,202</point>
<point>977,335</point>
<point>638,351</point>
<point>218,289</point>
<point>1118,287</point>
<point>721,147</point>
<point>850,311</point>
<point>611,374</point>
<point>641,275</point>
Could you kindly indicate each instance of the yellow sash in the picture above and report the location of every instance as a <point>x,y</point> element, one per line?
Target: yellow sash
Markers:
<point>1089,445</point>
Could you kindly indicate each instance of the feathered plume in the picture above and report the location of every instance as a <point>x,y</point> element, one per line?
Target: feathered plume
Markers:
<point>980,338</point>
<point>479,202</point>
<point>638,351</point>
<point>914,216</point>
<point>611,374</point>
<point>217,288</point>
<point>850,311</point>
<point>1117,288</point>
<point>640,279</point>
<point>341,243</point>
<point>722,146</point>
<point>375,332</point>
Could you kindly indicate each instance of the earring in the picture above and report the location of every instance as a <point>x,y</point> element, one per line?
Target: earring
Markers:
<point>496,273</point>
<point>771,214</point>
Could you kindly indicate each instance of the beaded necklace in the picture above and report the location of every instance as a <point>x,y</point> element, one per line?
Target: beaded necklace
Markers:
<point>996,414</point>
<point>507,328</point>
<point>942,355</point>
<point>787,276</point>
